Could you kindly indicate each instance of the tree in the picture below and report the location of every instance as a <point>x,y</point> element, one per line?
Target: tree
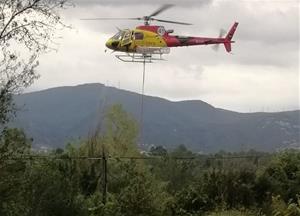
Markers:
<point>140,193</point>
<point>117,137</point>
<point>281,177</point>
<point>280,208</point>
<point>13,143</point>
<point>50,189</point>
<point>27,29</point>
<point>158,151</point>
<point>191,200</point>
<point>121,132</point>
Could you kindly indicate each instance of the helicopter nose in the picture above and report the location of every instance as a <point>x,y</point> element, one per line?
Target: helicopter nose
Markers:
<point>108,44</point>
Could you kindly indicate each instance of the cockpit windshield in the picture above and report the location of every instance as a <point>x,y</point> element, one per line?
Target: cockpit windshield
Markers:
<point>119,36</point>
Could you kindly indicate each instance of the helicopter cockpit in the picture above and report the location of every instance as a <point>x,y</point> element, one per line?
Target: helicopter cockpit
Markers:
<point>122,38</point>
<point>118,36</point>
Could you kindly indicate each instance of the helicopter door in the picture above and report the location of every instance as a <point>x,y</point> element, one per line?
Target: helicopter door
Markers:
<point>126,38</point>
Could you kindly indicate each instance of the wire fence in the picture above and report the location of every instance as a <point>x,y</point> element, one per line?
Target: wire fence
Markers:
<point>66,157</point>
<point>198,163</point>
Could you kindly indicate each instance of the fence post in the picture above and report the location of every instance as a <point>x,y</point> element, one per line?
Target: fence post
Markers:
<point>104,168</point>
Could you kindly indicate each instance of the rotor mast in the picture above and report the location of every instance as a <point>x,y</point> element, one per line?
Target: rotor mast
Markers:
<point>149,18</point>
<point>146,20</point>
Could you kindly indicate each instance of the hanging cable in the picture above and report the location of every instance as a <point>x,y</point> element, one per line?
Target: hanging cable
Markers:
<point>142,103</point>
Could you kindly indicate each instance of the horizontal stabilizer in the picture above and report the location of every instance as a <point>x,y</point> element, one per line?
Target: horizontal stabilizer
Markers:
<point>227,46</point>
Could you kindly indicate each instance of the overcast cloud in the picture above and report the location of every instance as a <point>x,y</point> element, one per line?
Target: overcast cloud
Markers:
<point>261,75</point>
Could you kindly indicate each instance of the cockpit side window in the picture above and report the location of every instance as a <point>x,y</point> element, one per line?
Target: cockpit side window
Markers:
<point>138,35</point>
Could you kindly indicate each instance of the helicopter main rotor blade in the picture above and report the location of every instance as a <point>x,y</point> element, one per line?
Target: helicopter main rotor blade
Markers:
<point>161,9</point>
<point>168,21</point>
<point>146,19</point>
<point>111,19</point>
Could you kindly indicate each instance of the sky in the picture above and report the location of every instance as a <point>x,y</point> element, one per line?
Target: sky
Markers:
<point>261,74</point>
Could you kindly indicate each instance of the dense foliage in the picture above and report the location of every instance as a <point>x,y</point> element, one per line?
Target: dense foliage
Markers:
<point>71,181</point>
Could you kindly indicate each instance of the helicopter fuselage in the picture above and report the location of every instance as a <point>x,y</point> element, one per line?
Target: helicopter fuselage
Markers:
<point>156,37</point>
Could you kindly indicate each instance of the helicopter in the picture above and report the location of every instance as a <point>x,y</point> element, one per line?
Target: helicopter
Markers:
<point>147,40</point>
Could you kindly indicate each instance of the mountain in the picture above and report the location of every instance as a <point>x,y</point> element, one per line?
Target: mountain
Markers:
<point>55,116</point>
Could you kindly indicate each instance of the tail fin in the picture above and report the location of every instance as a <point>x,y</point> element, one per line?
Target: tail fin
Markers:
<point>229,36</point>
<point>231,32</point>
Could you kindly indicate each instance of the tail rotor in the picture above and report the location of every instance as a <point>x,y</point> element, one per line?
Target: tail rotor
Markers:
<point>222,33</point>
<point>227,41</point>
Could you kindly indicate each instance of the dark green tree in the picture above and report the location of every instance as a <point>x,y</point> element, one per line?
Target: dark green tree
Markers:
<point>280,177</point>
<point>51,189</point>
<point>158,151</point>
<point>13,143</point>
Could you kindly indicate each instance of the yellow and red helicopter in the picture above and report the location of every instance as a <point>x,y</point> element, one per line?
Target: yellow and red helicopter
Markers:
<point>147,40</point>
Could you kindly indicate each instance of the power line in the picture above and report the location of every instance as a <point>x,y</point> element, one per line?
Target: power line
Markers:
<point>45,157</point>
<point>260,1</point>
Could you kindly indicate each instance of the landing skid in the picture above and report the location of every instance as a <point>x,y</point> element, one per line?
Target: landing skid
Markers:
<point>140,58</point>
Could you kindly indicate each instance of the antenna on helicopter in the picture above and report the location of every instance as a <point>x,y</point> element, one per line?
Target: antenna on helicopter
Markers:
<point>147,19</point>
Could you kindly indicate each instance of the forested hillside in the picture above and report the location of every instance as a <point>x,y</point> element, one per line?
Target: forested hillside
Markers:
<point>55,116</point>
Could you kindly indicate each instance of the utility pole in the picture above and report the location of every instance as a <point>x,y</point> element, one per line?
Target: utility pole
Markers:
<point>104,169</point>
